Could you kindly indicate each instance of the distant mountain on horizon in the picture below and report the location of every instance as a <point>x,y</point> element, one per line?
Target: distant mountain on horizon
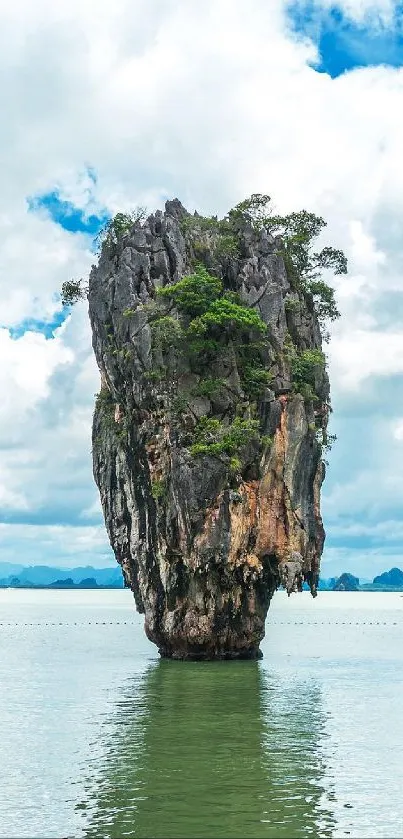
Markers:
<point>388,581</point>
<point>347,582</point>
<point>394,577</point>
<point>44,576</point>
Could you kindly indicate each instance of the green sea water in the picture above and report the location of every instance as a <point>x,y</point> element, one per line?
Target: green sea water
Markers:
<point>100,738</point>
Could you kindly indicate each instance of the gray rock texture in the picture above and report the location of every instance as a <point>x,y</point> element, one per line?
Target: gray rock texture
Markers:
<point>203,558</point>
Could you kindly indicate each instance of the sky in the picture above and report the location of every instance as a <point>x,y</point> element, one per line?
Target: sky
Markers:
<point>109,106</point>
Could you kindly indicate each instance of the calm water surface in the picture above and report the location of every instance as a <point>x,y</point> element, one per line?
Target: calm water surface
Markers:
<point>99,738</point>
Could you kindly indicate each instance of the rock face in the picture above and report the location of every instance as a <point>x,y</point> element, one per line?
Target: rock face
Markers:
<point>204,552</point>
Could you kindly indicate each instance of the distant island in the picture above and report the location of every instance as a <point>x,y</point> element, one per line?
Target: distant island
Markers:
<point>388,581</point>
<point>346,582</point>
<point>87,577</point>
<point>43,576</point>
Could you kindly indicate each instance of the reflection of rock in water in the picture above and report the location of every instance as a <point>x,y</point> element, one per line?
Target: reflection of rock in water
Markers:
<point>211,750</point>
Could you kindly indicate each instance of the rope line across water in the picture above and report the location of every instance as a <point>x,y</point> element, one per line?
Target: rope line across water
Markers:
<point>271,623</point>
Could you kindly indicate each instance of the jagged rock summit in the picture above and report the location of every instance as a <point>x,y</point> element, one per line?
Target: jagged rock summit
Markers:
<point>209,425</point>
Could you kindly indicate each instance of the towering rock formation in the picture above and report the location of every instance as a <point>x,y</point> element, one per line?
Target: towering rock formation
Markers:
<point>207,432</point>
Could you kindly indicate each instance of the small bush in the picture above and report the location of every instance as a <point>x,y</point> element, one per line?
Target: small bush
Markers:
<point>226,245</point>
<point>254,379</point>
<point>166,333</point>
<point>292,304</point>
<point>154,375</point>
<point>213,438</point>
<point>266,441</point>
<point>116,227</point>
<point>256,210</point>
<point>305,367</point>
<point>104,398</point>
<point>324,302</point>
<point>158,489</point>
<point>235,465</point>
<point>208,387</point>
<point>180,404</point>
<point>325,440</point>
<point>72,291</point>
<point>196,224</point>
<point>195,293</point>
<point>225,315</point>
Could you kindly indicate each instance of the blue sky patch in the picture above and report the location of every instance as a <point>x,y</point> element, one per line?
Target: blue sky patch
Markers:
<point>71,218</point>
<point>344,44</point>
<point>46,328</point>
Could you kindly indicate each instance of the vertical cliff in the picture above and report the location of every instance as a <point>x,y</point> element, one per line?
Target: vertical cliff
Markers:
<point>209,425</point>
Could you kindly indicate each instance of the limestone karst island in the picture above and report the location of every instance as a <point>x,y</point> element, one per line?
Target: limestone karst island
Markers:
<point>209,431</point>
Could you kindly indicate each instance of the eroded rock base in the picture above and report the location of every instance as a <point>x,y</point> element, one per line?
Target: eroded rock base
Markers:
<point>250,654</point>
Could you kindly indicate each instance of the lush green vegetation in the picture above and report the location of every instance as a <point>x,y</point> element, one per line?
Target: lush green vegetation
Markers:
<point>193,295</point>
<point>221,238</point>
<point>117,226</point>
<point>213,437</point>
<point>256,210</point>
<point>196,319</point>
<point>208,235</point>
<point>229,318</point>
<point>104,398</point>
<point>324,302</point>
<point>304,265</point>
<point>208,387</point>
<point>158,489</point>
<point>298,231</point>
<point>305,367</point>
<point>167,333</point>
<point>209,323</point>
<point>198,325</point>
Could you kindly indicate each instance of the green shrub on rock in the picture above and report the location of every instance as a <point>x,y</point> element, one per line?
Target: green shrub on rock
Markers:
<point>212,437</point>
<point>305,367</point>
<point>167,333</point>
<point>193,294</point>
<point>225,316</point>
